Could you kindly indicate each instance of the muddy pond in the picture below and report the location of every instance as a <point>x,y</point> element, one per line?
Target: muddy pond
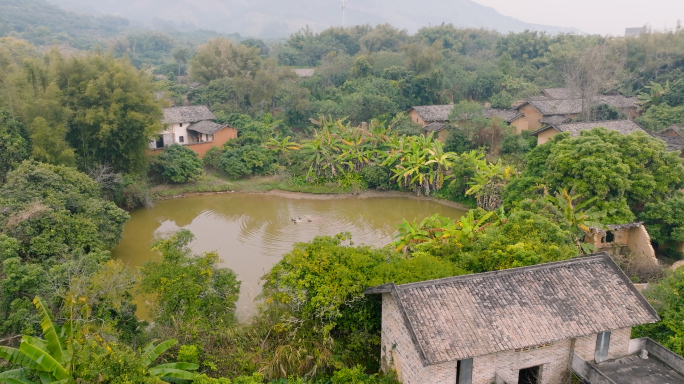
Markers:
<point>251,232</point>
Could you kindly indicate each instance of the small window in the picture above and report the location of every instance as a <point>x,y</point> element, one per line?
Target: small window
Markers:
<point>181,124</point>
<point>609,237</point>
<point>464,371</point>
<point>181,139</point>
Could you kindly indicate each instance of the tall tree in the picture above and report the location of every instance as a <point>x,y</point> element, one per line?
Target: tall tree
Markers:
<point>114,112</point>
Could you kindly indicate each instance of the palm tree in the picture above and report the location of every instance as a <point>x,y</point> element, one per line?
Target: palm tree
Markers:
<point>52,358</point>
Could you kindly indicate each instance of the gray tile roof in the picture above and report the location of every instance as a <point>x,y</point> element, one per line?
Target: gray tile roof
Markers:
<point>480,314</point>
<point>434,127</point>
<point>549,107</point>
<point>207,127</point>
<point>508,115</point>
<point>555,119</point>
<point>672,137</point>
<point>434,113</point>
<point>559,93</point>
<point>190,114</point>
<point>623,126</point>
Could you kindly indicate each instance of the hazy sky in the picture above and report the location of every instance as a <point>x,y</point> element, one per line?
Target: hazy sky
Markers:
<point>594,16</point>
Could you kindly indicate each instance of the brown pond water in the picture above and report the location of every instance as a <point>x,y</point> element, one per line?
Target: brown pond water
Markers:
<point>251,232</point>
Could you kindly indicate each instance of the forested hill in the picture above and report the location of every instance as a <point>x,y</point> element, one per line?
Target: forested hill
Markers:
<point>47,24</point>
<point>267,18</point>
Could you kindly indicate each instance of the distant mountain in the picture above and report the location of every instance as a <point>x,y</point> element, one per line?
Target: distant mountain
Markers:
<point>278,18</point>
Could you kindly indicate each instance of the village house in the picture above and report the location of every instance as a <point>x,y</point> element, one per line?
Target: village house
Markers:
<point>192,126</point>
<point>529,325</point>
<point>673,138</point>
<point>434,118</point>
<point>623,126</point>
<point>548,110</point>
<point>622,239</point>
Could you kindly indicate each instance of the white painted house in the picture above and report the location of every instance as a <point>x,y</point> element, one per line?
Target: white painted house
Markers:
<point>186,125</point>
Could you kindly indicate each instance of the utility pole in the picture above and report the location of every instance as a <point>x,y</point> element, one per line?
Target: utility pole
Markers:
<point>344,13</point>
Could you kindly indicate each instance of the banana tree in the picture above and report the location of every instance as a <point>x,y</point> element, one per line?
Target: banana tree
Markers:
<point>580,221</point>
<point>52,358</point>
<point>282,146</point>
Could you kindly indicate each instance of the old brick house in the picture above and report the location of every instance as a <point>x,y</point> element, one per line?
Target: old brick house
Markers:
<point>623,126</point>
<point>435,118</point>
<point>192,126</point>
<point>524,325</point>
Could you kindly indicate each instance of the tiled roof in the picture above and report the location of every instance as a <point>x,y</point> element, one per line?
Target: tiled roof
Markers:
<point>559,93</point>
<point>191,114</point>
<point>207,127</point>
<point>672,138</point>
<point>508,115</point>
<point>554,119</point>
<point>474,315</point>
<point>623,126</point>
<point>549,107</point>
<point>434,127</point>
<point>432,113</point>
<point>304,72</point>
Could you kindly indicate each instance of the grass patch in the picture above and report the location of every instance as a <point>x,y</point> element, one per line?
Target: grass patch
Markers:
<point>213,181</point>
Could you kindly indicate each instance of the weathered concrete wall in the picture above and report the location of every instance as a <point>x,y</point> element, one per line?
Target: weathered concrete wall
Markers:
<point>584,370</point>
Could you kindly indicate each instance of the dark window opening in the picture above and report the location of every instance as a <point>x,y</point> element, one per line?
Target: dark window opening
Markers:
<point>160,141</point>
<point>181,124</point>
<point>609,237</point>
<point>181,139</point>
<point>530,375</point>
<point>464,371</point>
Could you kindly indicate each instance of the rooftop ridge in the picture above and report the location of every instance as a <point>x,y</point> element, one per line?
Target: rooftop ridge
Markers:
<point>509,271</point>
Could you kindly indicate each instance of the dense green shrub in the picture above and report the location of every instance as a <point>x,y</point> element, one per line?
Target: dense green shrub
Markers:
<point>247,160</point>
<point>376,176</point>
<point>178,164</point>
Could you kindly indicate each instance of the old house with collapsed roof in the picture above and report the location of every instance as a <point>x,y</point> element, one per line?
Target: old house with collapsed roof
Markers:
<point>623,239</point>
<point>192,126</point>
<point>623,126</point>
<point>529,325</point>
<point>544,110</point>
<point>435,118</point>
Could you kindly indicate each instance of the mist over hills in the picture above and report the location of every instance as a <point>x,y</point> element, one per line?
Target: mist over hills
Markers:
<point>269,19</point>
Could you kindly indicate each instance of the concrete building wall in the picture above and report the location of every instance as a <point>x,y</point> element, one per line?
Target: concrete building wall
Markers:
<point>533,117</point>
<point>543,137</point>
